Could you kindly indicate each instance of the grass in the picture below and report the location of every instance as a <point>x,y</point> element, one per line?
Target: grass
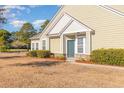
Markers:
<point>16,70</point>
<point>18,50</point>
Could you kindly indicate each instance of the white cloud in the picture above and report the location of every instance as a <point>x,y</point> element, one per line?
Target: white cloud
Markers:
<point>18,12</point>
<point>28,11</point>
<point>14,7</point>
<point>38,23</point>
<point>18,8</point>
<point>12,15</point>
<point>59,5</point>
<point>17,23</point>
<point>33,6</point>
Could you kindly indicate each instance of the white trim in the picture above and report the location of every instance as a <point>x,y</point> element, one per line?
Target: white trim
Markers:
<point>84,44</point>
<point>45,44</point>
<point>72,19</point>
<point>75,19</point>
<point>109,8</point>
<point>61,24</point>
<point>56,21</point>
<point>51,21</point>
<point>32,46</point>
<point>88,43</point>
<point>75,45</point>
<point>37,45</point>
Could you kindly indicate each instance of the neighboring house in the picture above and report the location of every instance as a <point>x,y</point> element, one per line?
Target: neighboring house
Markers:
<point>77,30</point>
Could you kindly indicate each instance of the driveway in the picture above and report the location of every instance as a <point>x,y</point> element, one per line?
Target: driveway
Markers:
<point>17,70</point>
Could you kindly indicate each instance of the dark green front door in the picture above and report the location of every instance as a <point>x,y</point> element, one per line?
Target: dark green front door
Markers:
<point>70,48</point>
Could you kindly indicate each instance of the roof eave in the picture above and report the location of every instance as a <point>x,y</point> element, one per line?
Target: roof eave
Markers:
<point>34,38</point>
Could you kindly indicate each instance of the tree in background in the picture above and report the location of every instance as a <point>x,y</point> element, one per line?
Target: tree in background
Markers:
<point>3,20</point>
<point>44,24</point>
<point>4,37</point>
<point>22,37</point>
<point>18,44</point>
<point>26,32</point>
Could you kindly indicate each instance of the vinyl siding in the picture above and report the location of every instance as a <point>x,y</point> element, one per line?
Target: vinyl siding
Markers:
<point>35,41</point>
<point>55,45</point>
<point>108,26</point>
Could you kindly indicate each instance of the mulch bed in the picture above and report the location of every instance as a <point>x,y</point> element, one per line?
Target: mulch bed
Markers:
<point>51,59</point>
<point>55,59</point>
<point>87,62</point>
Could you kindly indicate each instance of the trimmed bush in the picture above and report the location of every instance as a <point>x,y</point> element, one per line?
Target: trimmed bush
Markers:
<point>32,53</point>
<point>39,53</point>
<point>3,49</point>
<point>43,53</point>
<point>59,56</point>
<point>108,56</point>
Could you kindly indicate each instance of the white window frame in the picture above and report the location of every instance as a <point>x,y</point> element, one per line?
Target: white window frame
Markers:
<point>43,46</point>
<point>84,43</point>
<point>33,46</point>
<point>37,46</point>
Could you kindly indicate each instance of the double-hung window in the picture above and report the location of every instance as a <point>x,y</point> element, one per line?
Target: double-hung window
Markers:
<point>44,44</point>
<point>32,46</point>
<point>37,46</point>
<point>80,44</point>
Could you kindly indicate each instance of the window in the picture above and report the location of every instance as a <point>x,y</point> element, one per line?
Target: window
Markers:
<point>44,44</point>
<point>80,44</point>
<point>32,46</point>
<point>37,46</point>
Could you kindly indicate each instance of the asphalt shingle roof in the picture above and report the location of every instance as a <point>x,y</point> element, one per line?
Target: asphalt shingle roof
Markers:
<point>37,36</point>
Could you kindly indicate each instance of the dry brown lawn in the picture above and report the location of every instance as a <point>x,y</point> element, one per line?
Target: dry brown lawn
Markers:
<point>16,70</point>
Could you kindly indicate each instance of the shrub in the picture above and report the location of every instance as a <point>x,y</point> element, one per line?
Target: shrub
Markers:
<point>39,53</point>
<point>18,45</point>
<point>108,56</point>
<point>84,58</point>
<point>32,53</point>
<point>81,59</point>
<point>43,53</point>
<point>52,55</point>
<point>60,56</point>
<point>3,49</point>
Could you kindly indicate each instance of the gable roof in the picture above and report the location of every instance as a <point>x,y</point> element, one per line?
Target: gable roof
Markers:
<point>66,24</point>
<point>113,9</point>
<point>35,37</point>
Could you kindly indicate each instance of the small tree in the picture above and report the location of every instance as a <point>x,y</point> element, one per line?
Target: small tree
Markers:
<point>44,24</point>
<point>4,37</point>
<point>18,44</point>
<point>22,37</point>
<point>4,40</point>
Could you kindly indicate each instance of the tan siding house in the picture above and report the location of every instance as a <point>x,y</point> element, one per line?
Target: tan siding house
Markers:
<point>77,30</point>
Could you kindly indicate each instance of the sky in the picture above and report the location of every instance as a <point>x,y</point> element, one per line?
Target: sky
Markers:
<point>35,14</point>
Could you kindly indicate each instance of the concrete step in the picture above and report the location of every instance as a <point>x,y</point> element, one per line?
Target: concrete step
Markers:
<point>70,59</point>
